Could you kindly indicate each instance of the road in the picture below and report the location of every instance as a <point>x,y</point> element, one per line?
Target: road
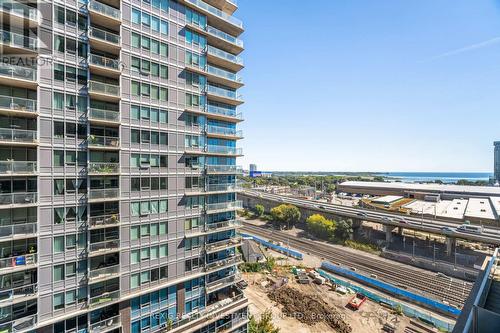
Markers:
<point>490,235</point>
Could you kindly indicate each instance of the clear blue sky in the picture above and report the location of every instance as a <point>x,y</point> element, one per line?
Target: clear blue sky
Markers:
<point>363,85</point>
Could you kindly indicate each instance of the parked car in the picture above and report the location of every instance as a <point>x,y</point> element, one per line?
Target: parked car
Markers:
<point>448,229</point>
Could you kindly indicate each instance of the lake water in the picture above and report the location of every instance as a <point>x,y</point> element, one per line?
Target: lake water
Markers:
<point>447,177</point>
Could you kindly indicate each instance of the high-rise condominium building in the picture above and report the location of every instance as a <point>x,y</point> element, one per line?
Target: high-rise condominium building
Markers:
<point>496,163</point>
<point>118,166</point>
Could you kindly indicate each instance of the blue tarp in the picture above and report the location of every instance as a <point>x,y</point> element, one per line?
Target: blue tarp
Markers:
<point>281,249</point>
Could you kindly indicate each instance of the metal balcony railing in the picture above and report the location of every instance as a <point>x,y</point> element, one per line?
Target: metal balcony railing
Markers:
<point>103,167</point>
<point>227,37</point>
<point>20,260</point>
<point>18,198</point>
<point>224,206</point>
<point>18,104</point>
<point>223,169</point>
<point>17,167</point>
<point>104,62</point>
<point>104,141</point>
<point>217,12</point>
<point>223,262</point>
<point>104,35</point>
<point>107,193</point>
<point>104,220</point>
<point>104,115</point>
<point>106,324</point>
<point>223,92</point>
<point>104,272</point>
<point>17,135</point>
<point>17,72</point>
<point>224,55</point>
<point>104,298</point>
<point>104,88</point>
<point>104,9</point>
<point>112,244</point>
<point>13,39</point>
<point>223,131</point>
<point>18,229</point>
<point>220,245</point>
<point>19,8</point>
<point>224,150</point>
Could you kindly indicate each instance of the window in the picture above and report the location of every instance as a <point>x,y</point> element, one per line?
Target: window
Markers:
<point>59,215</point>
<point>58,157</point>
<point>59,301</point>
<point>135,256</point>
<point>70,269</point>
<point>136,16</point>
<point>59,43</point>
<point>59,72</point>
<point>59,244</point>
<point>58,101</point>
<point>58,129</point>
<point>58,273</point>
<point>134,232</point>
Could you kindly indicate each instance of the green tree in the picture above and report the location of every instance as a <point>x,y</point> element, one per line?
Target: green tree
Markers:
<point>264,325</point>
<point>321,226</point>
<point>259,210</point>
<point>285,213</point>
<point>344,229</point>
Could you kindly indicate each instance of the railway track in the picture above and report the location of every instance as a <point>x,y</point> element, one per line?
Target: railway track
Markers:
<point>442,289</point>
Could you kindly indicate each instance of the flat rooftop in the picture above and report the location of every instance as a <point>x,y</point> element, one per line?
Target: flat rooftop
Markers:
<point>437,188</point>
<point>479,208</point>
<point>387,199</point>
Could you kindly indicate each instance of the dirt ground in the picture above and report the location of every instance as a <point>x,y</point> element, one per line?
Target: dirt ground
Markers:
<point>369,318</point>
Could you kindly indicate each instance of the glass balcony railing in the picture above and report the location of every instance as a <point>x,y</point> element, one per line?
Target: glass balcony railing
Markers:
<point>17,104</point>
<point>223,262</point>
<point>211,129</point>
<point>223,169</point>
<point>13,39</point>
<point>104,298</point>
<point>19,136</point>
<point>17,167</point>
<point>221,187</point>
<point>17,261</point>
<point>18,229</point>
<point>217,12</point>
<point>230,205</point>
<point>224,150</point>
<point>221,245</point>
<point>26,198</point>
<point>102,273</point>
<point>223,92</point>
<point>224,55</point>
<point>224,111</point>
<point>19,9</point>
<point>18,292</point>
<point>103,167</point>
<point>104,220</point>
<point>17,72</point>
<point>107,193</point>
<point>104,35</point>
<point>104,62</point>
<point>220,225</point>
<point>104,141</point>
<point>221,283</point>
<point>227,37</point>
<point>104,9</point>
<point>106,324</point>
<point>224,74</point>
<point>108,245</point>
<point>104,115</point>
<point>104,88</point>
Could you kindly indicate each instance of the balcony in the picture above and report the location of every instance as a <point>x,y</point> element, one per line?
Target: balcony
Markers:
<point>13,42</point>
<point>18,13</point>
<point>18,106</point>
<point>106,325</point>
<point>103,168</point>
<point>223,169</point>
<point>104,194</point>
<point>224,59</point>
<point>224,41</point>
<point>17,168</point>
<point>104,117</point>
<point>104,247</point>
<point>102,221</point>
<point>18,230</point>
<point>104,66</point>
<point>217,17</point>
<point>104,142</point>
<point>222,263</point>
<point>223,206</point>
<point>227,6</point>
<point>23,261</point>
<point>224,282</point>
<point>223,226</point>
<point>18,294</point>
<point>227,187</point>
<point>222,95</point>
<point>103,14</point>
<point>104,91</point>
<point>221,76</point>
<point>18,76</point>
<point>104,40</point>
<point>224,150</point>
<point>222,245</point>
<point>21,199</point>
<point>103,299</point>
<point>17,137</point>
<point>223,132</point>
<point>104,273</point>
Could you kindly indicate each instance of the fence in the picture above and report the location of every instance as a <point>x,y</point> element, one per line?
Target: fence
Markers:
<point>280,249</point>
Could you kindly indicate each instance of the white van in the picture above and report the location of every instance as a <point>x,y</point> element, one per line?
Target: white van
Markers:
<point>476,229</point>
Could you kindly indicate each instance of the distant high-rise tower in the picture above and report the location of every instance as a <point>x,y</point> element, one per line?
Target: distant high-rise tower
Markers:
<point>496,165</point>
<point>253,167</point>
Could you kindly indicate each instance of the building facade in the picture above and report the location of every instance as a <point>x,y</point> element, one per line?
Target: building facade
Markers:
<point>496,162</point>
<point>118,176</point>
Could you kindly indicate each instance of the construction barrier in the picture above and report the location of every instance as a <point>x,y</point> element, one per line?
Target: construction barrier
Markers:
<point>407,310</point>
<point>280,249</point>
